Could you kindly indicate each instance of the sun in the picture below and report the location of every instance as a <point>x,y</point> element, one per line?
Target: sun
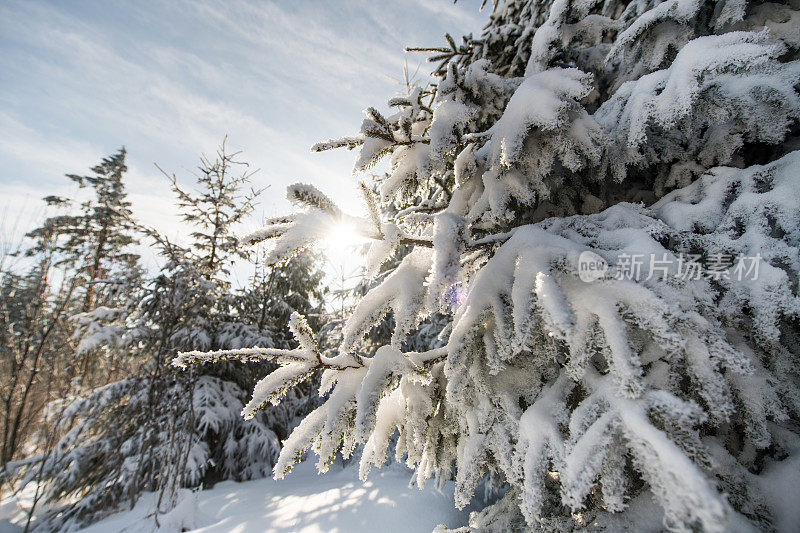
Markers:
<point>340,242</point>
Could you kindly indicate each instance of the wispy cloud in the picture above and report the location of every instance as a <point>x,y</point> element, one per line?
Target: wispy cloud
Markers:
<point>169,79</point>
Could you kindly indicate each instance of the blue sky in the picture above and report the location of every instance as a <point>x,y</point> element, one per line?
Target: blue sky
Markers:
<point>168,79</point>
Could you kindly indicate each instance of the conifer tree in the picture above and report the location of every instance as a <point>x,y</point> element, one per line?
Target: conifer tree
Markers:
<point>566,131</point>
<point>95,246</point>
<point>79,259</point>
<point>160,429</point>
<point>96,242</point>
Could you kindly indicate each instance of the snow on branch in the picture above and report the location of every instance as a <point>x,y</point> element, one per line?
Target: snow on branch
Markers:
<point>307,351</point>
<point>714,87</point>
<point>547,355</point>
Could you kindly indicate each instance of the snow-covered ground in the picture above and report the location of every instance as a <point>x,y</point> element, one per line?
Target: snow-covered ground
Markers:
<point>306,502</point>
<point>303,502</point>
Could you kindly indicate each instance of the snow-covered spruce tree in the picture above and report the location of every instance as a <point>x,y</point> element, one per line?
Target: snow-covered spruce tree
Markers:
<point>79,256</point>
<point>160,429</point>
<point>612,128</point>
<point>93,245</point>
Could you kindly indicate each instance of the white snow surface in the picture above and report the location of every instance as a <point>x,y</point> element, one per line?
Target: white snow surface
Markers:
<point>303,502</point>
